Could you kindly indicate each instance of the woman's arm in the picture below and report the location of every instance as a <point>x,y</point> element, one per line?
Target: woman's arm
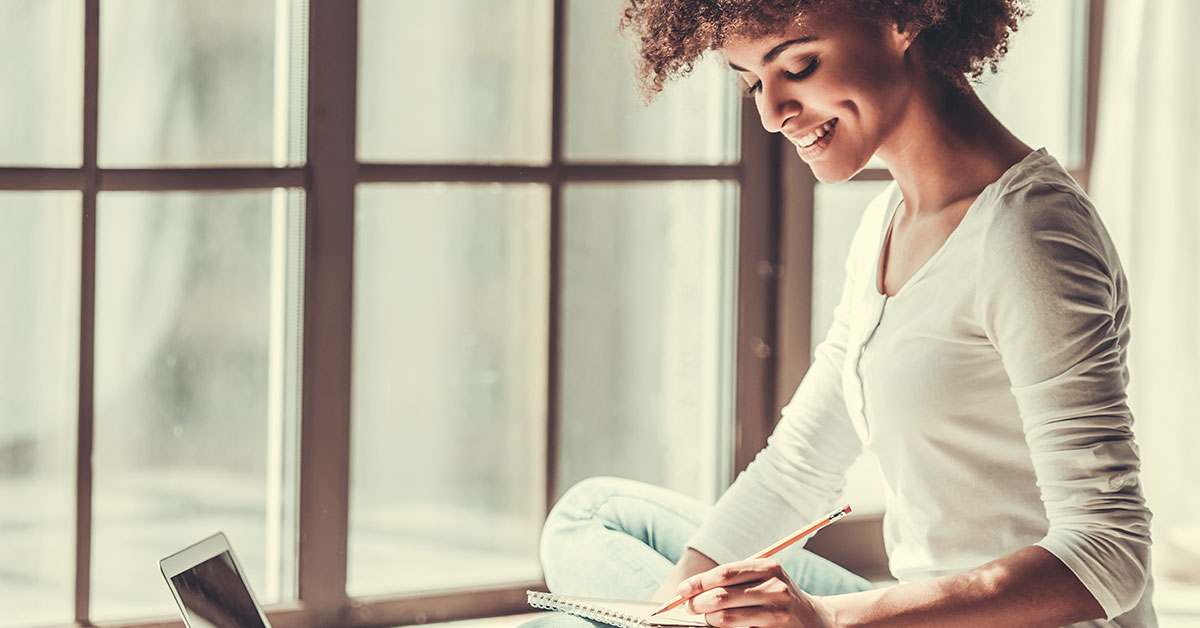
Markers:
<point>1053,301</point>
<point>1028,588</point>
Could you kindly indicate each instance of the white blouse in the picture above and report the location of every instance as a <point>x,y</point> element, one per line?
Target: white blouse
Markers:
<point>991,388</point>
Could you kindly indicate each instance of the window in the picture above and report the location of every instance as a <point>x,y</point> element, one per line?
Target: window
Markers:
<point>369,311</point>
<point>154,204</point>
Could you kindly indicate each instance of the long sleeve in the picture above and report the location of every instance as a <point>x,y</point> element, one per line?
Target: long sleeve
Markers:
<point>1052,299</point>
<point>801,472</point>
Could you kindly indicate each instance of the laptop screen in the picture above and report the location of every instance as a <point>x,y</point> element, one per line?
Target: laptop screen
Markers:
<point>214,595</point>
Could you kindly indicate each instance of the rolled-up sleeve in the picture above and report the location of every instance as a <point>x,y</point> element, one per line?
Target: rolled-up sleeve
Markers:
<point>1052,297</point>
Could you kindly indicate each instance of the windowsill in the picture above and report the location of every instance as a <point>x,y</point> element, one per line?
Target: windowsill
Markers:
<point>507,621</point>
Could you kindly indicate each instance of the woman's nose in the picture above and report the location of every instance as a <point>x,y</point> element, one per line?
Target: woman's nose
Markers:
<point>775,105</point>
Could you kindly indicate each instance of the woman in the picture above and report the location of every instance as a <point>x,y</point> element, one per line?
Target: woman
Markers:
<point>978,350</point>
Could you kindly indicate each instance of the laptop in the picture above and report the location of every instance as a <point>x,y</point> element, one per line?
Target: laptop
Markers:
<point>210,587</point>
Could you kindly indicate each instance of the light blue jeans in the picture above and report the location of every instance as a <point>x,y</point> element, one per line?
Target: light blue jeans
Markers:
<point>616,538</point>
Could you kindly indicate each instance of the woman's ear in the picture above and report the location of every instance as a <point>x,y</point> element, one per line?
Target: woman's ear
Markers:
<point>903,37</point>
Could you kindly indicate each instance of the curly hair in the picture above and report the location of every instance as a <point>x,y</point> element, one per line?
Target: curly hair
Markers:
<point>957,38</point>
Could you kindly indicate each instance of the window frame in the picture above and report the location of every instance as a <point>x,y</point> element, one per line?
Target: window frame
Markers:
<point>773,309</point>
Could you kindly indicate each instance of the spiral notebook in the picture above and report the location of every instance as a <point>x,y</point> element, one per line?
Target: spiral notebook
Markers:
<point>620,613</point>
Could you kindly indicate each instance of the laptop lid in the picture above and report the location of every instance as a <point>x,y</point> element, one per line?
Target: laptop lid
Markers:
<point>210,586</point>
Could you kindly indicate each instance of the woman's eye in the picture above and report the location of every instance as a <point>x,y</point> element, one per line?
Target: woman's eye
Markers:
<point>808,69</point>
<point>791,76</point>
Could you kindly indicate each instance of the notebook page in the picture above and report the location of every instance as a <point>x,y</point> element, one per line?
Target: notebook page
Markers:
<point>622,613</point>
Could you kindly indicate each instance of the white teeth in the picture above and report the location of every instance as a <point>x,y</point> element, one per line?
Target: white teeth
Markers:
<point>809,139</point>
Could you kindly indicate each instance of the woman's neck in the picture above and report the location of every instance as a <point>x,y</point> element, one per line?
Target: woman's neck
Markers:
<point>947,147</point>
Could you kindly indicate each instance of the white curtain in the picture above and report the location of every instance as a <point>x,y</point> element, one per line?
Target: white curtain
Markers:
<point>1145,182</point>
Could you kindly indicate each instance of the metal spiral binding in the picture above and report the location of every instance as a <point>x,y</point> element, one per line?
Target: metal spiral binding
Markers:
<point>544,601</point>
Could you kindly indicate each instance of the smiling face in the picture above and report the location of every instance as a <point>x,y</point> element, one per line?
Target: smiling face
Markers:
<point>834,85</point>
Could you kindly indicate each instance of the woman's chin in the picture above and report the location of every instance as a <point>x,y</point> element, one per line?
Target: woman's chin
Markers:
<point>831,173</point>
<point>831,169</point>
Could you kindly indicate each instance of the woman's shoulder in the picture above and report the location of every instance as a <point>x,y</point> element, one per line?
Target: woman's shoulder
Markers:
<point>1043,227</point>
<point>1040,202</point>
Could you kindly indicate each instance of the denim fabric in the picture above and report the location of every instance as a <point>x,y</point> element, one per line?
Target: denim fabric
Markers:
<point>617,538</point>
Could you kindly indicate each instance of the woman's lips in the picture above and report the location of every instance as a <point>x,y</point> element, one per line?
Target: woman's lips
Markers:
<point>816,148</point>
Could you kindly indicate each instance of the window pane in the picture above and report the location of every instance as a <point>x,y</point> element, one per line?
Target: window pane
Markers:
<point>692,121</point>
<point>454,80</point>
<point>39,375</point>
<point>838,210</point>
<point>450,318</point>
<point>41,68</point>
<point>200,82</point>
<point>195,389</point>
<point>1046,57</point>
<point>648,311</point>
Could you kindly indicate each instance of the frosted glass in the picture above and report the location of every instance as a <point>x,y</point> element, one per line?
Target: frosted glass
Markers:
<point>41,69</point>
<point>648,326</point>
<point>694,120</point>
<point>1039,92</point>
<point>449,412</point>
<point>201,82</point>
<point>195,398</point>
<point>39,393</point>
<point>454,80</point>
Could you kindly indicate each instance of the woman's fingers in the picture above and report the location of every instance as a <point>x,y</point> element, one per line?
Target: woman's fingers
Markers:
<point>770,593</point>
<point>741,617</point>
<point>750,593</point>
<point>731,574</point>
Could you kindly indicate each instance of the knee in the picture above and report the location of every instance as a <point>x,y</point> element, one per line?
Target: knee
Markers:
<point>582,501</point>
<point>575,512</point>
<point>579,504</point>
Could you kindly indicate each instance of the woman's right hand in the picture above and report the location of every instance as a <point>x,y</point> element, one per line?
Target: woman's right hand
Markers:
<point>690,564</point>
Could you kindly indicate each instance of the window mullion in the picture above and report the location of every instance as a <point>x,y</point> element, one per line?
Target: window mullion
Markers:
<point>557,174</point>
<point>796,282</point>
<point>329,276</point>
<point>87,313</point>
<point>1095,43</point>
<point>176,179</point>
<point>757,264</point>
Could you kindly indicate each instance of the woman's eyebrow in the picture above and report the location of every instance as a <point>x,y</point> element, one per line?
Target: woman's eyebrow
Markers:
<point>777,50</point>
